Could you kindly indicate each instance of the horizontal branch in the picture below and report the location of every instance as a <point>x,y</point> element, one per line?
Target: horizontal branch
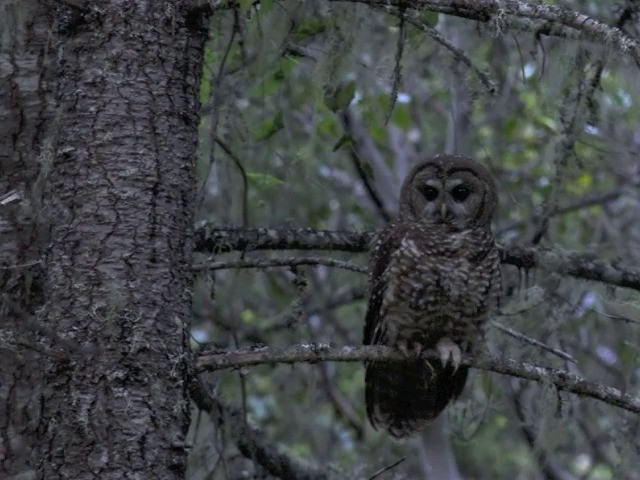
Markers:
<point>552,19</point>
<point>501,12</point>
<point>321,353</point>
<point>220,240</point>
<point>280,262</point>
<point>587,267</point>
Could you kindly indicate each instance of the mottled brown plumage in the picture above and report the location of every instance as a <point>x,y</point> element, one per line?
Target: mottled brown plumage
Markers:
<point>434,278</point>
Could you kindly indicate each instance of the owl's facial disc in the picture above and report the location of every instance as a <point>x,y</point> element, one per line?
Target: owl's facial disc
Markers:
<point>450,190</point>
<point>444,201</point>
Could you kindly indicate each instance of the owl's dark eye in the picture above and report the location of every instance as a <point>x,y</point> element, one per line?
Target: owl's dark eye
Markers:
<point>429,192</point>
<point>460,193</point>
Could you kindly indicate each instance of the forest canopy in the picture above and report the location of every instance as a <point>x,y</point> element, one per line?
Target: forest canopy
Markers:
<point>323,107</point>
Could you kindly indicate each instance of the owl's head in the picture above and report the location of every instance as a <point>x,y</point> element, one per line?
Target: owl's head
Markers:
<point>449,190</point>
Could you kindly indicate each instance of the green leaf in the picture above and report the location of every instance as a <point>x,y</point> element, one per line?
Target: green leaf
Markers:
<point>248,316</point>
<point>272,81</point>
<point>342,141</point>
<point>401,117</point>
<point>340,97</point>
<point>328,125</point>
<point>263,181</point>
<point>429,18</point>
<point>245,5</point>
<point>268,128</point>
<point>210,58</point>
<point>265,6</point>
<point>308,28</point>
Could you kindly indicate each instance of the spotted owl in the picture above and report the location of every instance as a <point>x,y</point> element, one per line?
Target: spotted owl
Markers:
<point>434,279</point>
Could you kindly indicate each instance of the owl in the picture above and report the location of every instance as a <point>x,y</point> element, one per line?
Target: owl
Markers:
<point>434,277</point>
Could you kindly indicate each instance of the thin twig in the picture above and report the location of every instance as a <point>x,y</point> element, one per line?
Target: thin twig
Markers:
<point>457,53</point>
<point>364,152</point>
<point>620,318</point>
<point>386,469</point>
<point>586,201</point>
<point>22,265</point>
<point>397,68</point>
<point>562,380</point>
<point>533,341</point>
<point>243,174</point>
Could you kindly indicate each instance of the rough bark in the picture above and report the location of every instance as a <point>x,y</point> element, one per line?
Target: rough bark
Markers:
<point>119,201</point>
<point>25,113</point>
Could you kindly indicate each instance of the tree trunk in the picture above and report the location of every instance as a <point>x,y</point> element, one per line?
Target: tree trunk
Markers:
<point>118,205</point>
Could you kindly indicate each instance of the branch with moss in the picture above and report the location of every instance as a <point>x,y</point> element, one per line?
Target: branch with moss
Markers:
<point>312,353</point>
<point>280,262</point>
<point>582,266</point>
<point>546,19</point>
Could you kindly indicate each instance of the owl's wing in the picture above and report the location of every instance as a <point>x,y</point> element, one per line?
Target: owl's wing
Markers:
<point>384,244</point>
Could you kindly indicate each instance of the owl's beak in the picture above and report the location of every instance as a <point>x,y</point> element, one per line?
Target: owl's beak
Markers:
<point>443,211</point>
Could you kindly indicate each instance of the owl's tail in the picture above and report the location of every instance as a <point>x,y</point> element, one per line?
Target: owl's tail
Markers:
<point>404,397</point>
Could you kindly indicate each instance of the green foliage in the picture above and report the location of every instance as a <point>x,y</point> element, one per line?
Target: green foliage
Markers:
<point>290,76</point>
<point>340,96</point>
<point>268,128</point>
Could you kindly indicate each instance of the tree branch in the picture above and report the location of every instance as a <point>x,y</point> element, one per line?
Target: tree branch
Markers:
<point>587,267</point>
<point>547,19</point>
<point>280,262</point>
<point>502,11</point>
<point>590,200</point>
<point>365,152</point>
<point>250,441</point>
<point>458,54</point>
<point>562,380</point>
<point>532,341</point>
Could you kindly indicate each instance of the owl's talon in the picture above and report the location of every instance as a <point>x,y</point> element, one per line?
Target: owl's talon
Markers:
<point>448,351</point>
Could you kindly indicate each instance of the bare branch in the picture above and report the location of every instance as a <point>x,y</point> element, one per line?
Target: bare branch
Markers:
<point>458,54</point>
<point>562,380</point>
<point>590,200</point>
<point>502,12</point>
<point>280,262</point>
<point>576,265</point>
<point>397,68</point>
<point>532,341</point>
<point>365,152</point>
<point>544,19</point>
<point>10,197</point>
<point>386,469</point>
<point>218,240</point>
<point>250,441</point>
